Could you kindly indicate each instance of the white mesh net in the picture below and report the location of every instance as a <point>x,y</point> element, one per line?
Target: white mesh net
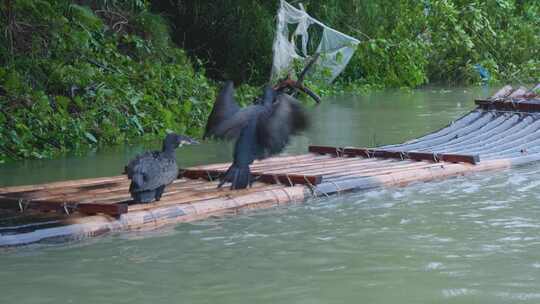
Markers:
<point>299,36</point>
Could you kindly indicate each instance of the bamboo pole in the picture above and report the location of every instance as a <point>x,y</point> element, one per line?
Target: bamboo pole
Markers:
<point>270,160</point>
<point>386,172</point>
<point>335,162</point>
<point>70,183</point>
<point>195,194</point>
<point>204,196</point>
<point>325,170</point>
<point>382,170</point>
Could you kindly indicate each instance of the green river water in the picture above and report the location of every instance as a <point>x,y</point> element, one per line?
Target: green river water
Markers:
<point>473,239</point>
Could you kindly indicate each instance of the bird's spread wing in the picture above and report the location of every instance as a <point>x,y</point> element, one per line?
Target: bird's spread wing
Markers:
<point>231,127</point>
<point>225,108</point>
<point>288,117</point>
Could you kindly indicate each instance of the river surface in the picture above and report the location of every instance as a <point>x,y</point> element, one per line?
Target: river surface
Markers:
<point>473,239</point>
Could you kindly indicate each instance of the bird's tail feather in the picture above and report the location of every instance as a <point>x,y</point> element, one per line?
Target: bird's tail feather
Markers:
<point>238,176</point>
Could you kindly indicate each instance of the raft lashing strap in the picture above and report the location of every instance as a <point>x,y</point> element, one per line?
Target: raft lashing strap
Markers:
<point>401,155</point>
<point>285,179</point>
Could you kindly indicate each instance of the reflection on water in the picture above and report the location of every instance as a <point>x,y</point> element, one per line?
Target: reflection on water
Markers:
<point>465,240</point>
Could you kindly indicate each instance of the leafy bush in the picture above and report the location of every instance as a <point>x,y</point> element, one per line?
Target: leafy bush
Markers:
<point>78,76</point>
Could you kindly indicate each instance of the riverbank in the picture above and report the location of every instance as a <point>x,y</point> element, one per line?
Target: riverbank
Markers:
<point>79,77</point>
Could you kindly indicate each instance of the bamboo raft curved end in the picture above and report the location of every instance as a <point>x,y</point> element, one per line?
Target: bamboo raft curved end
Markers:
<point>503,131</point>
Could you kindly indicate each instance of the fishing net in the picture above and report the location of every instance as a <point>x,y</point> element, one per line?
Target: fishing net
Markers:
<point>299,36</point>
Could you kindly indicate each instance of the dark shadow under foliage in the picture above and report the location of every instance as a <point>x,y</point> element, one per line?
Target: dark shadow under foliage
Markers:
<point>233,38</point>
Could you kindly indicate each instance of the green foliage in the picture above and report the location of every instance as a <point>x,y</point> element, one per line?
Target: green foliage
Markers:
<point>80,74</point>
<point>404,42</point>
<point>75,77</point>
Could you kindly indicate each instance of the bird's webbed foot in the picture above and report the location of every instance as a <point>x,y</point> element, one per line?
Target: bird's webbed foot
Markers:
<point>238,176</point>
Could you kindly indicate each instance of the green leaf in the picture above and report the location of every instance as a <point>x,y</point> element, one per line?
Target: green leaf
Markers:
<point>62,102</point>
<point>90,137</point>
<point>187,107</point>
<point>137,123</point>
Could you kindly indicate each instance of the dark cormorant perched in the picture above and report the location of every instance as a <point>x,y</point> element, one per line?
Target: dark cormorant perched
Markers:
<point>261,129</point>
<point>151,172</point>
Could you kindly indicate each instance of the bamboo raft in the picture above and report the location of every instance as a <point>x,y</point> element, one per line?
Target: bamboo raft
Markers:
<point>503,131</point>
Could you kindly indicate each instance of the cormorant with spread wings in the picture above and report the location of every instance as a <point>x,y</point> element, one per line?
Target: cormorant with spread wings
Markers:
<point>261,129</point>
